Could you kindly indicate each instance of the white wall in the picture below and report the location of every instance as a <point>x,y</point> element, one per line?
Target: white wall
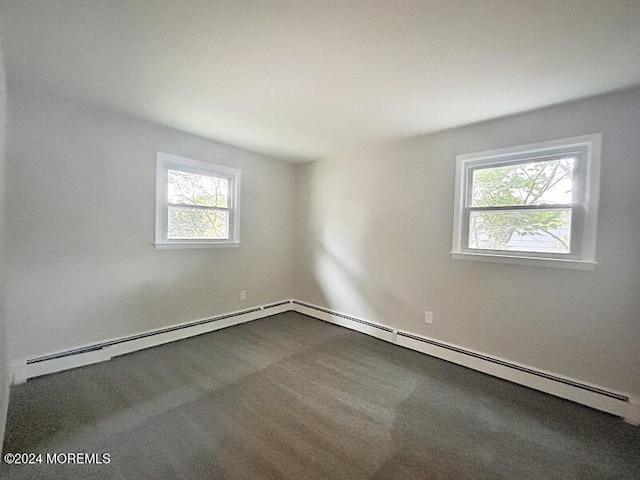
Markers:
<point>374,235</point>
<point>4,369</point>
<point>80,222</point>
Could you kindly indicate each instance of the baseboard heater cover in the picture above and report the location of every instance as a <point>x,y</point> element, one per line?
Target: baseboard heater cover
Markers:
<point>99,346</point>
<point>515,366</point>
<point>612,402</point>
<point>590,395</point>
<point>345,316</point>
<point>277,304</point>
<point>103,351</point>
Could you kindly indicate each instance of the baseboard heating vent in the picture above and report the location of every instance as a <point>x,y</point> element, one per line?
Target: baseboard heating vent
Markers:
<point>99,346</point>
<point>66,353</point>
<point>278,304</point>
<point>514,366</point>
<point>342,315</point>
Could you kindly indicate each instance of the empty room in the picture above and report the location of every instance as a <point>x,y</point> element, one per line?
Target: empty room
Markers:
<point>318,239</point>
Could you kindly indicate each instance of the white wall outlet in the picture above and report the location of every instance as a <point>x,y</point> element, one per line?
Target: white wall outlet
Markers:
<point>243,294</point>
<point>428,317</point>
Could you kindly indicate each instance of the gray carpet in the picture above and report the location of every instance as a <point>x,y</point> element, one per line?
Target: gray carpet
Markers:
<point>293,397</point>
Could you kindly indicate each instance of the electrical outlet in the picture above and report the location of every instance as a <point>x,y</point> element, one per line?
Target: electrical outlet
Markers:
<point>428,317</point>
<point>243,294</point>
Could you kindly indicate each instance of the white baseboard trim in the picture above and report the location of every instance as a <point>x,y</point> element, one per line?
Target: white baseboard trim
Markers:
<point>23,369</point>
<point>594,396</point>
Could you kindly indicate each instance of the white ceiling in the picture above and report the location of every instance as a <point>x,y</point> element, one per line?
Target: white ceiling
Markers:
<point>307,79</point>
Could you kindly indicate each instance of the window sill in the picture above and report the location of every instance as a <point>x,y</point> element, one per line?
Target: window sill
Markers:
<point>524,260</point>
<point>162,246</point>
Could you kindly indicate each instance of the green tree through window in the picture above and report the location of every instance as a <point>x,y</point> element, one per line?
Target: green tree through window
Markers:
<point>197,203</point>
<point>187,191</point>
<point>497,219</point>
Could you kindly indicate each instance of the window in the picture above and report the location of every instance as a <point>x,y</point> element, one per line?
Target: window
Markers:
<point>197,203</point>
<point>535,204</point>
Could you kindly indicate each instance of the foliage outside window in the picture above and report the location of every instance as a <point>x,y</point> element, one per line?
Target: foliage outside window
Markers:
<point>535,204</point>
<point>196,204</point>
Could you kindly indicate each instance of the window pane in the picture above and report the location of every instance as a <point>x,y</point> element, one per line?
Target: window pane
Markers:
<point>547,231</point>
<point>532,183</point>
<point>193,189</point>
<point>197,224</point>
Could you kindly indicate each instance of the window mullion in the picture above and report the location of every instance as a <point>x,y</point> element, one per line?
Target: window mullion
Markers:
<point>200,207</point>
<point>560,206</point>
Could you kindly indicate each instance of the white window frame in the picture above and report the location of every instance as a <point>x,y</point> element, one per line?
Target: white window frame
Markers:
<point>166,162</point>
<point>584,206</point>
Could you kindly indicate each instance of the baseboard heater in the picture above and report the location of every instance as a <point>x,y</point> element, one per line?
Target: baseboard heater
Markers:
<point>514,366</point>
<point>277,304</point>
<point>100,346</point>
<point>591,395</point>
<point>346,317</point>
<point>22,370</point>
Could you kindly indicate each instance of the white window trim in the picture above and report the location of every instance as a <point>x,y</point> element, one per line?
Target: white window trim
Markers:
<point>167,161</point>
<point>583,260</point>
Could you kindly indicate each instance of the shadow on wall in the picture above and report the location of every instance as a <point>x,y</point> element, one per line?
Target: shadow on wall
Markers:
<point>351,248</point>
<point>351,291</point>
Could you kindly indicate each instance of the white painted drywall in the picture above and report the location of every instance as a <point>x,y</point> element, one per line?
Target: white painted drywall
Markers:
<point>80,222</point>
<point>374,236</point>
<point>4,367</point>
